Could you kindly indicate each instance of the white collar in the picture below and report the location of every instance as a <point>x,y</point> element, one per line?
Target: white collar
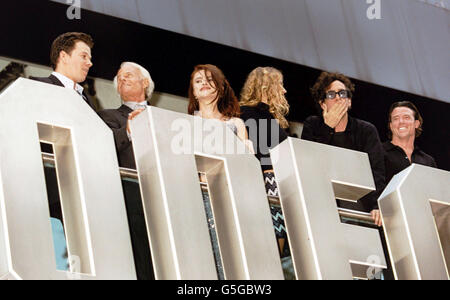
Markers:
<point>132,104</point>
<point>68,83</point>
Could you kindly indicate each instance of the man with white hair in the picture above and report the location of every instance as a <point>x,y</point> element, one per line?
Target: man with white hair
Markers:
<point>135,87</point>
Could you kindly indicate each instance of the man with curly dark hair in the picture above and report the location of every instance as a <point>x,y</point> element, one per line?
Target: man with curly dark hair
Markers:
<point>332,93</point>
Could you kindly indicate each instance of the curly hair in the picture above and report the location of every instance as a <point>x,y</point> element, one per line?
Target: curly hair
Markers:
<point>323,82</point>
<point>227,102</point>
<point>411,106</point>
<point>265,83</point>
<point>66,42</point>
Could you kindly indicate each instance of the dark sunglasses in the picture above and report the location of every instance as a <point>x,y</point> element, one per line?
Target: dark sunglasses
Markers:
<point>342,94</point>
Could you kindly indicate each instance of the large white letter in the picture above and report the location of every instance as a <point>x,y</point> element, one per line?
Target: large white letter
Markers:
<point>173,203</point>
<point>416,213</point>
<point>92,202</point>
<point>310,177</point>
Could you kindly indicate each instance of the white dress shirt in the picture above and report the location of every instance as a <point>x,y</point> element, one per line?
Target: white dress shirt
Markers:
<point>69,83</point>
<point>135,105</point>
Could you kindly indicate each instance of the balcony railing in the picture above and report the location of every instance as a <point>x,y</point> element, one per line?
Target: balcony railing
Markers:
<point>360,217</point>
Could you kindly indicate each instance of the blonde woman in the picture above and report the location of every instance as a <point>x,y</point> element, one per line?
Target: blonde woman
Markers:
<point>263,109</point>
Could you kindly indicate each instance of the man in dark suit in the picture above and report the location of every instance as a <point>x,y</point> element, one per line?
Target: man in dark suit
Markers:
<point>135,87</point>
<point>70,58</point>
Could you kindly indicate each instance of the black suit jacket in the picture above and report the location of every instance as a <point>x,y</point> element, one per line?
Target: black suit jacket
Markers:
<point>117,119</point>
<point>55,81</point>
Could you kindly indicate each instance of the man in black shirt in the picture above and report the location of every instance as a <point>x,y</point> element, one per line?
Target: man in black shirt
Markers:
<point>405,124</point>
<point>332,93</point>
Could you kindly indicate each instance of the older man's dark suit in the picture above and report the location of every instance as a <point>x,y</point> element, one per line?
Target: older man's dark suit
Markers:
<point>117,120</point>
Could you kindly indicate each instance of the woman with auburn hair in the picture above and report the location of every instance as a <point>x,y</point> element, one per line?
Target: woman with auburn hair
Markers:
<point>211,96</point>
<point>263,109</point>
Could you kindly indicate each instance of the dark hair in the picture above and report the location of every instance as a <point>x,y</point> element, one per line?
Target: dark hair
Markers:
<point>66,42</point>
<point>323,82</point>
<point>411,106</point>
<point>227,103</point>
